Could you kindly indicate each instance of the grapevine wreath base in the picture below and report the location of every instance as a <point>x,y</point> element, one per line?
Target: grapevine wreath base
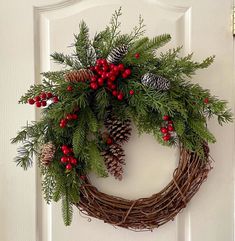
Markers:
<point>152,212</point>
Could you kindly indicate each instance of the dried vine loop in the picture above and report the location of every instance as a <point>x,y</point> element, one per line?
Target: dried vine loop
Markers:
<point>152,212</point>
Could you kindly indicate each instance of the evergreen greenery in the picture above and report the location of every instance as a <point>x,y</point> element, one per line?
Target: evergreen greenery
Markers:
<point>184,102</point>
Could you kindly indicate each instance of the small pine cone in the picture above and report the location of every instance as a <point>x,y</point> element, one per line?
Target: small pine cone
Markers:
<point>119,131</point>
<point>117,54</point>
<point>156,82</point>
<point>114,160</point>
<point>81,75</point>
<point>47,154</point>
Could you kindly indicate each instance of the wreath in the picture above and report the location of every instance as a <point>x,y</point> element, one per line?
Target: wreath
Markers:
<point>87,108</point>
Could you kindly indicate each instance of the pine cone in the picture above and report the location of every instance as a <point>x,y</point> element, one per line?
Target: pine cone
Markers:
<point>47,154</point>
<point>78,75</point>
<point>155,81</point>
<point>117,54</point>
<point>114,160</point>
<point>119,131</point>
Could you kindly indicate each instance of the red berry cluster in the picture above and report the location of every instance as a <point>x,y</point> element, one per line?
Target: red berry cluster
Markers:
<point>64,121</point>
<point>167,129</point>
<point>107,74</point>
<point>68,157</point>
<point>41,100</point>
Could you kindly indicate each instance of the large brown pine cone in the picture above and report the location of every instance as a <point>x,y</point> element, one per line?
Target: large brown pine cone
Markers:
<point>119,131</point>
<point>114,160</point>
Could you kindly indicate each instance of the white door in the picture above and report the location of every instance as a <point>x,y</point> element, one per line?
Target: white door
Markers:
<point>31,30</point>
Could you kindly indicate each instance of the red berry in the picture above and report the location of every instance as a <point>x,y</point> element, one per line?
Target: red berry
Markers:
<point>64,159</point>
<point>114,93</point>
<point>121,67</point>
<point>98,61</point>
<point>69,88</point>
<point>113,65</point>
<point>116,69</point>
<point>105,68</point>
<point>109,141</point>
<point>93,85</point>
<point>74,116</point>
<point>38,104</point>
<point>55,99</point>
<point>112,78</point>
<point>31,101</point>
<point>131,92</point>
<point>93,78</point>
<point>73,161</point>
<point>137,55</point>
<point>103,61</point>
<point>170,122</point>
<point>37,98</point>
<point>170,128</point>
<point>44,103</point>
<point>97,68</point>
<point>64,147</point>
<point>66,151</point>
<point>69,167</point>
<point>109,83</point>
<point>92,68</point>
<point>166,137</point>
<point>103,76</point>
<point>100,81</point>
<point>206,100</point>
<point>63,121</point>
<point>127,72</point>
<point>124,75</point>
<point>69,117</point>
<point>120,96</point>
<point>113,87</point>
<point>165,117</point>
<point>83,177</point>
<point>43,95</point>
<point>62,125</point>
<point>164,130</point>
<point>49,95</point>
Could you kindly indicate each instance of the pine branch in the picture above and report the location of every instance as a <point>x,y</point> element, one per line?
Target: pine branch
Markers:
<point>199,128</point>
<point>56,77</point>
<point>156,42</point>
<point>79,138</point>
<point>100,43</point>
<point>67,209</point>
<point>84,50</point>
<point>138,31</point>
<point>65,60</point>
<point>102,101</point>
<point>25,154</point>
<point>114,28</point>
<point>96,162</point>
<point>48,185</point>
<point>92,120</point>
